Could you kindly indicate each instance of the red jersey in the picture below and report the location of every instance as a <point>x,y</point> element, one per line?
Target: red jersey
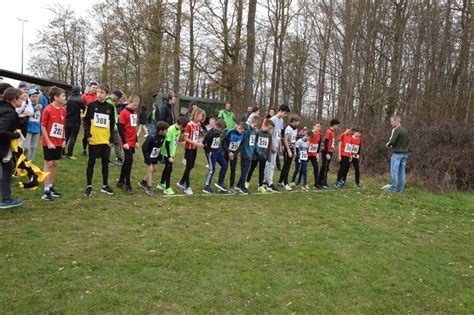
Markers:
<point>89,98</point>
<point>128,119</point>
<point>314,144</point>
<point>346,144</point>
<point>53,119</point>
<point>356,145</point>
<point>329,141</point>
<point>192,131</point>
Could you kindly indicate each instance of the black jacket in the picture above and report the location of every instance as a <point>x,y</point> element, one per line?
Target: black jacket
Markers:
<point>74,105</point>
<point>167,113</point>
<point>9,122</point>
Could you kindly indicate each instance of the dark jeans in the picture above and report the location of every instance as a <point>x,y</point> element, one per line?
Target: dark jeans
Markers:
<point>166,175</point>
<point>286,168</point>
<point>212,159</point>
<point>126,170</point>
<point>101,151</point>
<point>233,168</point>
<point>190,157</point>
<point>245,164</point>
<point>323,173</point>
<point>7,171</point>
<point>297,169</point>
<point>72,130</point>
<point>345,164</point>
<point>261,170</point>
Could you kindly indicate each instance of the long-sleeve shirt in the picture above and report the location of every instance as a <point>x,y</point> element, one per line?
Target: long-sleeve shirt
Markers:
<point>232,141</point>
<point>399,140</point>
<point>212,141</point>
<point>263,147</point>
<point>99,121</point>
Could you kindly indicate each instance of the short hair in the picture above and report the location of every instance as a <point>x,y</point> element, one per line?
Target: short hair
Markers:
<point>242,125</point>
<point>221,123</point>
<point>254,109</point>
<point>396,117</point>
<point>357,129</point>
<point>104,87</point>
<point>309,133</point>
<point>229,102</point>
<point>162,125</point>
<point>55,91</point>
<point>117,93</point>
<point>334,122</point>
<point>284,108</point>
<point>294,118</point>
<point>11,93</point>
<point>268,122</point>
<point>213,118</point>
<point>169,97</point>
<point>4,86</point>
<point>182,121</point>
<point>254,119</point>
<point>133,98</point>
<point>93,83</point>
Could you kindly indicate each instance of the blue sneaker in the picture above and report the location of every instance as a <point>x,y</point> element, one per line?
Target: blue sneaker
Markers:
<point>339,185</point>
<point>208,190</point>
<point>10,203</point>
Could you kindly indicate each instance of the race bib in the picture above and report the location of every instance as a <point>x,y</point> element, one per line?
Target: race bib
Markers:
<point>355,148</point>
<point>133,120</point>
<point>333,144</point>
<point>303,155</point>
<point>196,136</point>
<point>278,134</point>
<point>101,120</point>
<point>155,152</point>
<point>234,145</point>
<point>57,131</point>
<point>36,117</point>
<point>313,147</point>
<point>263,143</point>
<point>293,137</point>
<point>252,140</point>
<point>348,148</point>
<point>216,142</point>
<point>176,142</point>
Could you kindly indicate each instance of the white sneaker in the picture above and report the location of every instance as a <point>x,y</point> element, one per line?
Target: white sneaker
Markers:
<point>288,188</point>
<point>183,161</point>
<point>180,185</point>
<point>188,191</point>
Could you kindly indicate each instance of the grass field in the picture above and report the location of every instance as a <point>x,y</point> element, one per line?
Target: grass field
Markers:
<point>351,251</point>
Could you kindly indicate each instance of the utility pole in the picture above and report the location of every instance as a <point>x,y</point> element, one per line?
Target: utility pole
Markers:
<point>23,21</point>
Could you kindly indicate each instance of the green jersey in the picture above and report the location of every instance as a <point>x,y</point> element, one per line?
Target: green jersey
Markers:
<point>171,142</point>
<point>228,117</point>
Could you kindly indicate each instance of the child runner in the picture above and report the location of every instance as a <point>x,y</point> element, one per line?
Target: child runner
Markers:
<point>263,147</point>
<point>88,97</point>
<point>214,153</point>
<point>232,144</point>
<point>191,138</point>
<point>326,153</point>
<point>33,127</point>
<point>356,147</point>
<point>211,124</point>
<point>168,151</point>
<point>99,122</point>
<point>52,138</point>
<point>246,156</point>
<point>344,157</point>
<point>151,153</point>
<point>289,151</point>
<point>313,151</point>
<point>277,120</point>
<point>127,128</point>
<point>302,146</point>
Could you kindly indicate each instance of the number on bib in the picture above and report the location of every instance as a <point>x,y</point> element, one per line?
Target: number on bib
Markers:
<point>196,136</point>
<point>348,148</point>
<point>252,140</point>
<point>155,152</point>
<point>293,137</point>
<point>303,155</point>
<point>57,131</point>
<point>216,142</point>
<point>263,143</point>
<point>313,147</point>
<point>234,145</point>
<point>133,120</point>
<point>36,117</point>
<point>101,120</point>
<point>176,142</point>
<point>355,148</point>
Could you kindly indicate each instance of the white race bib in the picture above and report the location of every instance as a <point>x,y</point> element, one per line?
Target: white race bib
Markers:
<point>355,148</point>
<point>293,137</point>
<point>57,131</point>
<point>348,148</point>
<point>278,134</point>
<point>216,142</point>
<point>36,117</point>
<point>234,145</point>
<point>263,143</point>
<point>196,136</point>
<point>313,147</point>
<point>252,140</point>
<point>101,120</point>
<point>155,152</point>
<point>303,155</point>
<point>133,120</point>
<point>176,142</point>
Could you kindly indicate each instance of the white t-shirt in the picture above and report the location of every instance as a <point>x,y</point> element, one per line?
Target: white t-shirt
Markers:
<point>278,122</point>
<point>292,133</point>
<point>302,147</point>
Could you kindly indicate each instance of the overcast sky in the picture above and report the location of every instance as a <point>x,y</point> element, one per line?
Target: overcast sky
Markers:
<point>35,11</point>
